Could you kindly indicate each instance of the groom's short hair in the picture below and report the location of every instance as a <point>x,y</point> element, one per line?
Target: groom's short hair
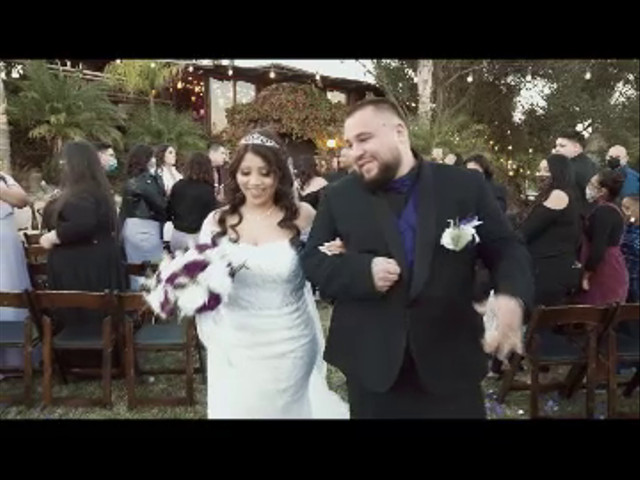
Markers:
<point>379,104</point>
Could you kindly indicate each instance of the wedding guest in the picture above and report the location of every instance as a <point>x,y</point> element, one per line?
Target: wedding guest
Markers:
<point>481,163</point>
<point>631,245</point>
<point>309,182</point>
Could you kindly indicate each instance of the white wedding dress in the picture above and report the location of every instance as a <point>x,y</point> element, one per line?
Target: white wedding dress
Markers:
<point>265,343</point>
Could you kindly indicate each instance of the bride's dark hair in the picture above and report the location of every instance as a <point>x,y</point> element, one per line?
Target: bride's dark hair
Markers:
<point>276,160</point>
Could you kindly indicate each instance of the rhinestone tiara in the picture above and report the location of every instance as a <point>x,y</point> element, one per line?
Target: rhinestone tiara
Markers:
<point>257,139</point>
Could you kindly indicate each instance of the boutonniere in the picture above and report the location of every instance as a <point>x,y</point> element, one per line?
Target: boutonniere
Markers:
<point>460,233</point>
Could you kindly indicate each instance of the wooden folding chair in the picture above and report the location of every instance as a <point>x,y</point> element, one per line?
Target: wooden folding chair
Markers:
<point>32,238</point>
<point>19,335</point>
<point>89,335</point>
<point>564,335</point>
<point>155,337</point>
<point>622,347</point>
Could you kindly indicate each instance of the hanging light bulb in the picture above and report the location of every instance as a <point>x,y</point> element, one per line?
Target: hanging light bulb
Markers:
<point>470,78</point>
<point>272,74</point>
<point>15,73</point>
<point>317,77</point>
<point>510,147</point>
<point>190,68</point>
<point>531,150</point>
<point>118,61</point>
<point>180,85</point>
<point>587,76</point>
<point>230,71</point>
<point>153,65</point>
<point>529,78</point>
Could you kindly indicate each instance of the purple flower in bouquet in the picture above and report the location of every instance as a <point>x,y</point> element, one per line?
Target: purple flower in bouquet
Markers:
<point>192,282</point>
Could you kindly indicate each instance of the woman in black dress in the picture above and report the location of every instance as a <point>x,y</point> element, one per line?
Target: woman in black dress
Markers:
<point>310,183</point>
<point>191,200</point>
<point>84,249</point>
<point>551,230</point>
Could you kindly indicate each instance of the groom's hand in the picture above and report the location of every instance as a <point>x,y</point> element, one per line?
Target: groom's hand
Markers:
<point>385,272</point>
<point>507,337</point>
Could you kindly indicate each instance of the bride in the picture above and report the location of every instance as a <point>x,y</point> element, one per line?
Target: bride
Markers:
<point>265,343</point>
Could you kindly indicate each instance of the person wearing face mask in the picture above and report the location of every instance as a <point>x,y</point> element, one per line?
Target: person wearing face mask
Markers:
<point>605,279</point>
<point>107,157</point>
<point>631,245</point>
<point>551,230</point>
<point>618,160</point>
<point>143,210</point>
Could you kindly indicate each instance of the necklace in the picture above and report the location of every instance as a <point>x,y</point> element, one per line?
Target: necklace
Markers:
<point>263,215</point>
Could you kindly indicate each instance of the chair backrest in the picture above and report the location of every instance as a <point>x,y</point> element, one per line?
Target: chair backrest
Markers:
<point>32,238</point>
<point>572,319</point>
<point>132,302</point>
<point>73,299</point>
<point>14,299</point>
<point>626,312</point>
<point>141,269</point>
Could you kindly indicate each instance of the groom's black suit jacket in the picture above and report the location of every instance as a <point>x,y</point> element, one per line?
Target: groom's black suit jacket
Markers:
<point>432,313</point>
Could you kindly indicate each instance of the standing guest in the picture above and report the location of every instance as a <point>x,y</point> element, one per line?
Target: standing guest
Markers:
<point>192,199</point>
<point>571,145</point>
<point>107,157</point>
<point>219,159</point>
<point>551,230</point>
<point>631,245</point>
<point>165,156</point>
<point>13,264</point>
<point>605,279</point>
<point>481,163</point>
<point>143,209</point>
<point>344,165</point>
<point>309,182</point>
<point>618,159</point>
<point>84,249</point>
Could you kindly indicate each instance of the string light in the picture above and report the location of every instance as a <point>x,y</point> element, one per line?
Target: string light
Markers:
<point>587,76</point>
<point>272,74</point>
<point>193,99</point>
<point>153,65</point>
<point>230,72</point>
<point>529,78</point>
<point>470,78</point>
<point>331,143</point>
<point>118,61</point>
<point>510,147</point>
<point>531,150</point>
<point>180,85</point>
<point>190,68</point>
<point>317,77</point>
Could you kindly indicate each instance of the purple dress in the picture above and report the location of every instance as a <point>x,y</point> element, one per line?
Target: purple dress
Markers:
<point>609,282</point>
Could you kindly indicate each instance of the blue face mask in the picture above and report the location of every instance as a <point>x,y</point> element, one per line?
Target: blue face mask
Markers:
<point>112,165</point>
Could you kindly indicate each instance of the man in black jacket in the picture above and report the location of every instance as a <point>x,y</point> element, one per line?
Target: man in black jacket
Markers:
<point>403,329</point>
<point>571,145</point>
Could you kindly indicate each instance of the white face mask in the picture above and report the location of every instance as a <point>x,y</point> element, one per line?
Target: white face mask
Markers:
<point>591,194</point>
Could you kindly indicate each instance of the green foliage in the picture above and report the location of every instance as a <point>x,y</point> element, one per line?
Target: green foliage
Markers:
<point>145,77</point>
<point>57,108</point>
<point>165,125</point>
<point>301,111</point>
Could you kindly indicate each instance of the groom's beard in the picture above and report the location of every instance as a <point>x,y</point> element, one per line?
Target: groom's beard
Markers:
<point>387,171</point>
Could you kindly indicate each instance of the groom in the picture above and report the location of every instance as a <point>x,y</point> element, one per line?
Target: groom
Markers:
<point>404,330</point>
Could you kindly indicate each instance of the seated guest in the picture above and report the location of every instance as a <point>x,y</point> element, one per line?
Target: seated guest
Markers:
<point>605,279</point>
<point>192,199</point>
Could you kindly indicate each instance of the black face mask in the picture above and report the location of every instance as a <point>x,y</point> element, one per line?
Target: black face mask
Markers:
<point>613,162</point>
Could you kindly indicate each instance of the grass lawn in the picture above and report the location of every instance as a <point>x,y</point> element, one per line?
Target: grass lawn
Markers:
<point>516,406</point>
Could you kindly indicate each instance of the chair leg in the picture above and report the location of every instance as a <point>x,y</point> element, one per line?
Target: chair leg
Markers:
<point>508,377</point>
<point>28,372</point>
<point>591,378</point>
<point>632,384</point>
<point>535,390</point>
<point>189,360</point>
<point>107,351</point>
<point>612,382</point>
<point>573,380</point>
<point>130,366</point>
<point>47,354</point>
<point>203,371</point>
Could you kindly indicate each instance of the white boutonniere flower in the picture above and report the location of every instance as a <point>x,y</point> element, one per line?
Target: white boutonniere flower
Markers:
<point>459,234</point>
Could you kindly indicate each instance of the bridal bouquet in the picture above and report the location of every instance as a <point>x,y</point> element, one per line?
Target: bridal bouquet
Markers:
<point>191,282</point>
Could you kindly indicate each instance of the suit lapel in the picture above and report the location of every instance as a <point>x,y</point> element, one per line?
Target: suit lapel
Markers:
<point>426,235</point>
